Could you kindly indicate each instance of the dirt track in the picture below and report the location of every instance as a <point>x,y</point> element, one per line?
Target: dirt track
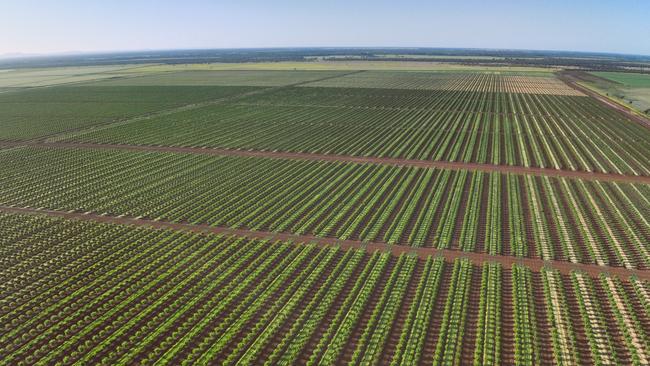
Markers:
<point>607,177</point>
<point>478,258</point>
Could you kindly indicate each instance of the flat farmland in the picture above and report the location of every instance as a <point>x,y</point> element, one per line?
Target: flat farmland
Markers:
<point>628,79</point>
<point>506,82</point>
<point>39,112</point>
<point>350,65</point>
<point>84,292</point>
<point>605,223</point>
<point>23,78</point>
<point>224,78</point>
<point>480,118</point>
<point>179,215</point>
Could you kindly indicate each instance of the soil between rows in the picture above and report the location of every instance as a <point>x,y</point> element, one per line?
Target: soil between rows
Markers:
<point>572,79</point>
<point>449,165</point>
<point>534,264</point>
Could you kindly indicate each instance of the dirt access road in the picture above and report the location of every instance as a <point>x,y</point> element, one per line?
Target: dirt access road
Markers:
<point>450,165</point>
<point>534,264</point>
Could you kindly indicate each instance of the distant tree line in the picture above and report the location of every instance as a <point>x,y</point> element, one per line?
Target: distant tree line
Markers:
<point>585,61</point>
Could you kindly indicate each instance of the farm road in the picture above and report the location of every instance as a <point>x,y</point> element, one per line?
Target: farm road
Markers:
<point>490,168</point>
<point>534,264</point>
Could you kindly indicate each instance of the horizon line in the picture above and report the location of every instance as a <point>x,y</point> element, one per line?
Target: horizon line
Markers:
<point>20,55</point>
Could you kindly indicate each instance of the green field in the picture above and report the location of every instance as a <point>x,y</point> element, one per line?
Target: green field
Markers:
<point>629,88</point>
<point>632,80</point>
<point>115,294</point>
<point>482,118</point>
<point>20,78</point>
<point>525,216</point>
<point>352,66</point>
<point>39,112</point>
<point>223,78</point>
<point>253,214</point>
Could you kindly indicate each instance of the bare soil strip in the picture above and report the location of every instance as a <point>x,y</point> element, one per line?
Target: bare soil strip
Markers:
<point>572,80</point>
<point>534,264</point>
<point>449,165</point>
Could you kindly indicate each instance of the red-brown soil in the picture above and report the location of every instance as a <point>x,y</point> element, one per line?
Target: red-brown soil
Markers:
<point>534,264</point>
<point>354,159</point>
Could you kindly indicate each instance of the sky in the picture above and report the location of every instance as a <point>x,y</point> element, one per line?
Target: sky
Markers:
<point>56,26</point>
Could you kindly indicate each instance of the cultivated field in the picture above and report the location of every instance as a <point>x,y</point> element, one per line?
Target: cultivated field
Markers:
<point>347,65</point>
<point>39,112</point>
<point>551,218</point>
<point>25,78</point>
<point>180,215</point>
<point>225,78</point>
<point>493,82</point>
<point>476,123</point>
<point>118,294</point>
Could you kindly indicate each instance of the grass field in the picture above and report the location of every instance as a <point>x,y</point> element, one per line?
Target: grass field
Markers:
<point>627,79</point>
<point>223,78</point>
<point>344,212</point>
<point>629,88</point>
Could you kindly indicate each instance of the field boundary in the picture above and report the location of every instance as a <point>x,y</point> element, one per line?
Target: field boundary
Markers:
<point>535,264</point>
<point>405,109</point>
<point>573,81</point>
<point>437,164</point>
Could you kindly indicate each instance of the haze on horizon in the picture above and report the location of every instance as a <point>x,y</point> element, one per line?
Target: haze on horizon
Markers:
<point>43,27</point>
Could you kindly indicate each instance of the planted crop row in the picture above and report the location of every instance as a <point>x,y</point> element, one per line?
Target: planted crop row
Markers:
<point>551,218</point>
<point>450,81</point>
<point>263,78</point>
<point>559,317</point>
<point>617,329</point>
<point>91,293</point>
<point>39,112</point>
<point>479,98</point>
<point>530,130</point>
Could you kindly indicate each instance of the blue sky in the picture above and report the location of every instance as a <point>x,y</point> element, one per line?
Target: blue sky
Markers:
<point>47,26</point>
